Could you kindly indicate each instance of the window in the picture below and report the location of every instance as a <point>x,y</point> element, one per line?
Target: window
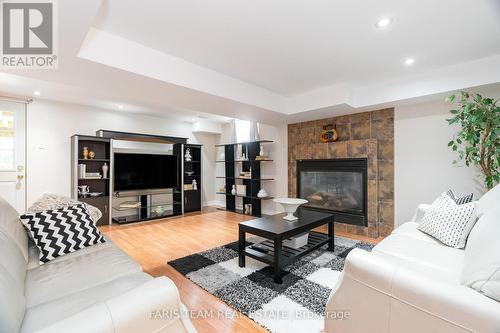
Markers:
<point>242,129</point>
<point>6,140</point>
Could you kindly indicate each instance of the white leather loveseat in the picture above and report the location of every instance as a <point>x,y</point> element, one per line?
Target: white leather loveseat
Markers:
<point>95,290</point>
<point>411,282</point>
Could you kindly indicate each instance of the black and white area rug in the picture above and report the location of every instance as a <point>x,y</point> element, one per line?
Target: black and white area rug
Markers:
<point>296,305</point>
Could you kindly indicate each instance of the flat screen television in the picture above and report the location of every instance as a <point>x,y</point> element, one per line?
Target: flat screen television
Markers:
<point>144,171</point>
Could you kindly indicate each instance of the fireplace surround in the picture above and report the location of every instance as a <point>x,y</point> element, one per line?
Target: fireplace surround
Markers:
<point>335,185</point>
<point>367,135</point>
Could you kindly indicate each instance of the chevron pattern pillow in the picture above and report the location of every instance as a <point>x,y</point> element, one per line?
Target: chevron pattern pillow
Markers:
<point>61,231</point>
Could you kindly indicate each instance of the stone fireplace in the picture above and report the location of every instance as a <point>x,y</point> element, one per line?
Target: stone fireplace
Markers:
<point>335,185</point>
<point>367,135</point>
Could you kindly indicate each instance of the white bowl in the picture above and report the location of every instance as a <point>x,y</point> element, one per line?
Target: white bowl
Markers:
<point>290,205</point>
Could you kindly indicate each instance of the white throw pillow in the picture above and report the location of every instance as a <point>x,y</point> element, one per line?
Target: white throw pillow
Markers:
<point>482,256</point>
<point>449,222</point>
<point>50,201</point>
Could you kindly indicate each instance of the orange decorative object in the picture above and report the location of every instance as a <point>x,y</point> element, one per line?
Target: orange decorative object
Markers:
<point>329,133</point>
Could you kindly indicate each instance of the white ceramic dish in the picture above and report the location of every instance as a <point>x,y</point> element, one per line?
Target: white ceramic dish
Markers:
<point>290,205</point>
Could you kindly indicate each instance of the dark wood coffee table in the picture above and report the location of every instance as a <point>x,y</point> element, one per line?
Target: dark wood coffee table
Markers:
<point>275,229</point>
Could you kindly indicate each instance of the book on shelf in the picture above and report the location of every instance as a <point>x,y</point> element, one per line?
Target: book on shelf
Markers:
<point>91,175</point>
<point>82,168</point>
<point>130,205</point>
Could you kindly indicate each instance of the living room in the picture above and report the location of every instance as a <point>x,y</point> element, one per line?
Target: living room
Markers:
<point>250,167</point>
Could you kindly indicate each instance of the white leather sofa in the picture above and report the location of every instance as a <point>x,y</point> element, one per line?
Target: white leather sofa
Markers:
<point>98,289</point>
<point>411,282</point>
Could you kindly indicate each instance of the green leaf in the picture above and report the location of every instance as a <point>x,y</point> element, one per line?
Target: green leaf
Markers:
<point>450,99</point>
<point>477,148</point>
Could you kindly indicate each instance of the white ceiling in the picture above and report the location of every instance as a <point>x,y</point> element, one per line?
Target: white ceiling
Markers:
<point>293,46</point>
<point>272,61</point>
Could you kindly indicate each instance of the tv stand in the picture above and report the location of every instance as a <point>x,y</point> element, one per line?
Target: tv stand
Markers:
<point>137,206</point>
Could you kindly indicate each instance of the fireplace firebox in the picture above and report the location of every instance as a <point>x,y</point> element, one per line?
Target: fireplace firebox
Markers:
<point>335,185</point>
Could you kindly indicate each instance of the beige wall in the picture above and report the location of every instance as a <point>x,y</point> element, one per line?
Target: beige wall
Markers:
<point>50,126</point>
<point>423,162</point>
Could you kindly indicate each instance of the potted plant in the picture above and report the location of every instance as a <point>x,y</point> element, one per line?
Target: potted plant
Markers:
<point>477,142</point>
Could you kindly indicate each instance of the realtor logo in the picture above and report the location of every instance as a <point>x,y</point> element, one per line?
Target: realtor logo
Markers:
<point>28,34</point>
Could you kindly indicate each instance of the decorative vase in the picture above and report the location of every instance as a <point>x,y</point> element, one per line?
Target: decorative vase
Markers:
<point>261,152</point>
<point>195,185</point>
<point>262,193</point>
<point>233,190</point>
<point>290,205</point>
<point>85,153</point>
<point>105,169</point>
<point>187,156</point>
<point>248,209</point>
<point>91,154</point>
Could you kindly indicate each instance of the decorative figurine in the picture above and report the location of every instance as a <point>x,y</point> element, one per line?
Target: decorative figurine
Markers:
<point>329,133</point>
<point>262,193</point>
<point>195,185</point>
<point>91,154</point>
<point>83,190</point>
<point>85,153</point>
<point>105,169</point>
<point>187,156</point>
<point>233,190</point>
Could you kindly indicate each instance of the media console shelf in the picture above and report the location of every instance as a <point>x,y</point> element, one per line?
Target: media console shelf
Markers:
<point>253,183</point>
<point>192,171</point>
<point>145,205</point>
<point>100,187</point>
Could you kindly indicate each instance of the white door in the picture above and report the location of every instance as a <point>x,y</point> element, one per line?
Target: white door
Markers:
<point>13,153</point>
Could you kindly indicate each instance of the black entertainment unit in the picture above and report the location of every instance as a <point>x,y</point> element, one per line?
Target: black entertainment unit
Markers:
<point>140,186</point>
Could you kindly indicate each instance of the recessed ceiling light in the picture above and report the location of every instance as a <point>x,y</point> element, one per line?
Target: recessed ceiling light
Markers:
<point>36,93</point>
<point>120,107</point>
<point>383,22</point>
<point>409,61</point>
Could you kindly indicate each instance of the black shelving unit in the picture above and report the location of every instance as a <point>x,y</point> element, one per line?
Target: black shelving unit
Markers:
<point>192,170</point>
<point>253,183</point>
<point>103,154</point>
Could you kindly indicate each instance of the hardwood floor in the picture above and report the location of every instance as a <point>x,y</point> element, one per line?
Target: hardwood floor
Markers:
<point>154,243</point>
